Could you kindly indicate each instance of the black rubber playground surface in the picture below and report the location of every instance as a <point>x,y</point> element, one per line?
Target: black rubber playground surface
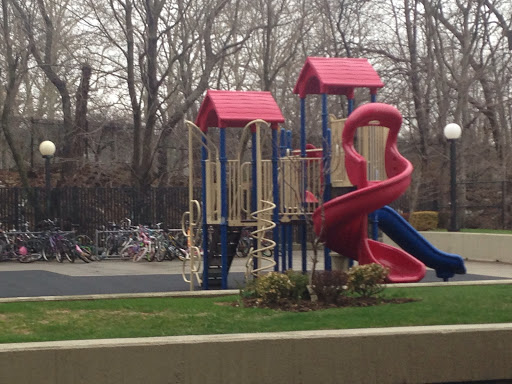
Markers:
<point>34,283</point>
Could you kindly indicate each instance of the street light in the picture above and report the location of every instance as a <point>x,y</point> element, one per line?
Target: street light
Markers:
<point>452,132</point>
<point>47,149</point>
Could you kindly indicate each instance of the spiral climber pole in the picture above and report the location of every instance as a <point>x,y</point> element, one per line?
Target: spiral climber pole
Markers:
<point>263,252</point>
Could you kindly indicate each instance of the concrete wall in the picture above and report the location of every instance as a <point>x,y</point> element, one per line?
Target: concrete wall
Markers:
<point>471,246</point>
<point>433,354</point>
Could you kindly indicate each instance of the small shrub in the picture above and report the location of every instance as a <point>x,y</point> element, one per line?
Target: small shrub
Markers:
<point>424,220</point>
<point>367,280</point>
<point>300,283</point>
<point>273,287</point>
<point>249,291</point>
<point>330,285</point>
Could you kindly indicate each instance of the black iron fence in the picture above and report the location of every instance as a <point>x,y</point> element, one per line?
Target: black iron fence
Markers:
<point>486,205</point>
<point>88,209</point>
<point>480,204</point>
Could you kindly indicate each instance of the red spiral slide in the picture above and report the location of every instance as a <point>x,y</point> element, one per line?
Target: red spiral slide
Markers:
<point>342,223</point>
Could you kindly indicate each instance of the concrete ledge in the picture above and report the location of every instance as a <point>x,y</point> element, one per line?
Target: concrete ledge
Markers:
<point>471,246</point>
<point>433,354</point>
<point>111,296</point>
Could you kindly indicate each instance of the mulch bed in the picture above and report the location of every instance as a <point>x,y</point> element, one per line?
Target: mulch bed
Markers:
<point>308,305</point>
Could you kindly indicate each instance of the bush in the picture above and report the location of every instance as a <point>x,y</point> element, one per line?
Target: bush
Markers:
<point>272,287</point>
<point>367,280</point>
<point>424,220</point>
<point>300,283</point>
<point>329,286</point>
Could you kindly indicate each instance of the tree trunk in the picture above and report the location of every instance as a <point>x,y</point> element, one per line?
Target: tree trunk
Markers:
<point>14,65</point>
<point>80,142</point>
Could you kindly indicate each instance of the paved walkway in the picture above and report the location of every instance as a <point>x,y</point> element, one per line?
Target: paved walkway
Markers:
<point>115,276</point>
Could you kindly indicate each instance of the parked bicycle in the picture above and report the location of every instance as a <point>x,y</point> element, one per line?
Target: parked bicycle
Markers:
<point>62,246</point>
<point>172,245</point>
<point>19,246</point>
<point>138,246</point>
<point>245,243</point>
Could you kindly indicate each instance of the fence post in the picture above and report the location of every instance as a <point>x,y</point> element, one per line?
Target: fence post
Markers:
<point>135,204</point>
<point>503,204</point>
<point>75,207</point>
<point>16,218</point>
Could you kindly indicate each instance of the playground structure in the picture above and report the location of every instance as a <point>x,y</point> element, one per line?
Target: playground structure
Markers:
<point>278,187</point>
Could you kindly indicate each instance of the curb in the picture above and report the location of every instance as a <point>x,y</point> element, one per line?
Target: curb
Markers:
<point>217,293</point>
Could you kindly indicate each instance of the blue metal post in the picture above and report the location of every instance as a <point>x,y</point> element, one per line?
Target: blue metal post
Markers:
<point>303,127</point>
<point>374,223</point>
<point>282,142</point>
<point>328,160</point>
<point>289,238</point>
<point>224,209</point>
<point>204,157</point>
<point>350,109</point>
<point>350,106</point>
<point>289,242</point>
<point>289,139</point>
<point>254,188</point>
<point>326,149</point>
<point>374,217</point>
<point>283,146</point>
<point>303,236</point>
<point>275,193</point>
<point>282,244</point>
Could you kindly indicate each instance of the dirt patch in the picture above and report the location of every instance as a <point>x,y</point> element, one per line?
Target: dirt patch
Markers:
<point>308,305</point>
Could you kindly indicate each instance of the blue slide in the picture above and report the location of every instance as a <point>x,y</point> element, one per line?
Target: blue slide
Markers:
<point>411,241</point>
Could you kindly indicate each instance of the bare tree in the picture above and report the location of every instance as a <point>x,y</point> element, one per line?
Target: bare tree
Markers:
<point>16,58</point>
<point>169,52</point>
<point>43,47</point>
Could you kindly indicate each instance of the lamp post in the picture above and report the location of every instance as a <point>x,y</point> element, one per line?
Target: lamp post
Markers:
<point>452,132</point>
<point>47,149</point>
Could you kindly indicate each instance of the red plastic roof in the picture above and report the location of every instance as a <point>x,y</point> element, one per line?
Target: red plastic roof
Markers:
<point>336,76</point>
<point>237,108</point>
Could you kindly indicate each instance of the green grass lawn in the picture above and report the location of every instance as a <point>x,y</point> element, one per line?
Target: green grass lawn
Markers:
<point>127,318</point>
<point>490,231</point>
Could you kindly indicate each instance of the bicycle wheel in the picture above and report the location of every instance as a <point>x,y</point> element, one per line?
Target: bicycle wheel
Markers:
<point>150,255</point>
<point>161,251</point>
<point>173,252</point>
<point>34,246</point>
<point>30,257</point>
<point>47,251</point>
<point>181,253</point>
<point>59,257</point>
<point>115,243</point>
<point>128,251</point>
<point>244,245</point>
<point>69,255</point>
<point>43,254</point>
<point>3,249</point>
<point>83,240</point>
<point>82,255</point>
<point>140,254</point>
<point>91,254</point>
